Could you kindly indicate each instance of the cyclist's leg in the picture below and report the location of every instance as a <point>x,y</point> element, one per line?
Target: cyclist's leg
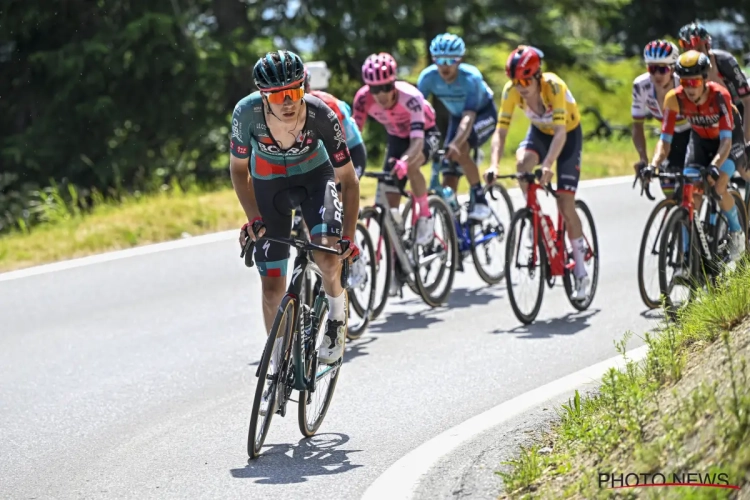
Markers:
<point>450,170</point>
<point>568,173</point>
<point>530,153</point>
<point>395,149</point>
<point>676,159</point>
<point>323,212</point>
<point>482,130</point>
<point>272,258</point>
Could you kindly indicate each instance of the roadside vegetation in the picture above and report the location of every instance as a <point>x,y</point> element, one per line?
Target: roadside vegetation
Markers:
<point>684,408</point>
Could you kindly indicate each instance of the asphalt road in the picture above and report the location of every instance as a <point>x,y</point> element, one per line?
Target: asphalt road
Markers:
<point>134,378</point>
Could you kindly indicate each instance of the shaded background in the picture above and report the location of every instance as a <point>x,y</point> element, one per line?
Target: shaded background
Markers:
<point>106,98</point>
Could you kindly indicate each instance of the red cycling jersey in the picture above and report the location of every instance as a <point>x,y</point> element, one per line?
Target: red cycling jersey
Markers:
<point>711,120</point>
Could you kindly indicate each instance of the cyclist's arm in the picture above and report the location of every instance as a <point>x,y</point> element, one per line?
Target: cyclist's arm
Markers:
<point>726,124</point>
<point>415,105</point>
<point>638,112</point>
<point>239,164</point>
<point>497,147</point>
<point>558,122</point>
<point>360,107</point>
<point>663,146</point>
<point>332,135</point>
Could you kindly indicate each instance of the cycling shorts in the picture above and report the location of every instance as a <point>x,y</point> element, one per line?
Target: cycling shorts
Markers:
<point>397,146</point>
<point>359,160</point>
<point>315,192</point>
<point>701,151</point>
<point>569,161</point>
<point>483,128</point>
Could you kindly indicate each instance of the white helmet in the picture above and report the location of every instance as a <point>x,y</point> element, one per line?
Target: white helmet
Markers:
<point>661,52</point>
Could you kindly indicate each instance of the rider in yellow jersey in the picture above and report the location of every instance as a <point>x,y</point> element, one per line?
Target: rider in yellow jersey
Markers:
<point>554,136</point>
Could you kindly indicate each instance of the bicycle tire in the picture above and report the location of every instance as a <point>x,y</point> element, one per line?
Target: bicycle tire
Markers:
<point>305,429</point>
<point>254,445</point>
<point>523,216</point>
<point>669,204</point>
<point>486,276</point>
<point>383,255</point>
<point>678,217</point>
<point>449,227</point>
<point>410,232</point>
<point>567,276</point>
<point>739,202</point>
<point>367,251</point>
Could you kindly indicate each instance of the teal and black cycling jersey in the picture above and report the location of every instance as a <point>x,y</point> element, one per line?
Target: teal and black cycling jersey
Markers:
<point>321,141</point>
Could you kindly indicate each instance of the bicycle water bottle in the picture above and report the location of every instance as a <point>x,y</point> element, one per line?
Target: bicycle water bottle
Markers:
<point>450,197</point>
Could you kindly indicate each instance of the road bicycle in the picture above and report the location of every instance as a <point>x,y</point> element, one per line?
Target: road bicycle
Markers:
<point>362,277</point>
<point>694,248</point>
<point>293,346</point>
<point>392,239</point>
<point>548,255</point>
<point>483,240</point>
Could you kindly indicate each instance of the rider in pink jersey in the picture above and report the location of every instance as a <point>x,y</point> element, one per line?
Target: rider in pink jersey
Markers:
<point>409,120</point>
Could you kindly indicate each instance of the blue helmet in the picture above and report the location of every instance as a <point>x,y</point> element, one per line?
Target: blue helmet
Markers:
<point>278,69</point>
<point>447,45</point>
<point>661,52</point>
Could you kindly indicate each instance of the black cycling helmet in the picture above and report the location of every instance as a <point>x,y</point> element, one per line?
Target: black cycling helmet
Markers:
<point>693,33</point>
<point>692,64</point>
<point>278,69</point>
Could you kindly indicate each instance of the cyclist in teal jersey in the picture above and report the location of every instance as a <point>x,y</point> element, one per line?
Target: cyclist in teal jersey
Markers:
<point>473,116</point>
<point>285,146</point>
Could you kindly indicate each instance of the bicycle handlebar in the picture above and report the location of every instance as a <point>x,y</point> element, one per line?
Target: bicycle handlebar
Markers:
<point>247,252</point>
<point>647,173</point>
<point>530,178</point>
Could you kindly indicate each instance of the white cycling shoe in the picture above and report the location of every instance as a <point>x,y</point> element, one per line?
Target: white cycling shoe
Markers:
<point>736,245</point>
<point>425,230</point>
<point>332,347</point>
<point>480,211</point>
<point>581,289</point>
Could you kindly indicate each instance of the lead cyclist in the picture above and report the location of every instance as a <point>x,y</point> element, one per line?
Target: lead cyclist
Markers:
<point>284,149</point>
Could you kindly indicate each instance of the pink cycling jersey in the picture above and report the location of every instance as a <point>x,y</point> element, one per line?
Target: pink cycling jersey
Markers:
<point>410,116</point>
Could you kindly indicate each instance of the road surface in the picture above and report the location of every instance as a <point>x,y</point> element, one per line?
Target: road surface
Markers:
<point>134,378</point>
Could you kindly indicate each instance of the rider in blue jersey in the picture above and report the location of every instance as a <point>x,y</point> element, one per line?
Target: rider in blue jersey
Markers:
<point>473,116</point>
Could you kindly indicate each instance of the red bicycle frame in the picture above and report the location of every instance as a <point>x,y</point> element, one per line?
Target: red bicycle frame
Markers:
<point>554,242</point>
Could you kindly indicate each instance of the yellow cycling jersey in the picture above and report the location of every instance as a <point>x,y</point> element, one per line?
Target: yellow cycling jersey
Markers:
<point>560,106</point>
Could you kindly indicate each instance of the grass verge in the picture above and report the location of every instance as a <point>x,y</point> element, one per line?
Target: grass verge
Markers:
<point>173,213</point>
<point>684,409</point>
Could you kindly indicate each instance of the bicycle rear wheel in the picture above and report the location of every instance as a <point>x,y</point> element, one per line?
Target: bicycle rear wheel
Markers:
<point>362,286</point>
<point>648,279</point>
<point>591,258</point>
<point>372,218</point>
<point>313,406</point>
<point>273,384</point>
<point>488,236</point>
<point>441,256</point>
<point>519,256</point>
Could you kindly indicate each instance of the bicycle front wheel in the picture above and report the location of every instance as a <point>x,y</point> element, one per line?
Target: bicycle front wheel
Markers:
<point>272,375</point>
<point>313,405</point>
<point>648,257</point>
<point>488,236</point>
<point>591,258</point>
<point>524,274</point>
<point>678,262</point>
<point>362,286</point>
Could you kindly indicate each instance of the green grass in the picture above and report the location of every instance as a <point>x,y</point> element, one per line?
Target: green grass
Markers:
<point>684,408</point>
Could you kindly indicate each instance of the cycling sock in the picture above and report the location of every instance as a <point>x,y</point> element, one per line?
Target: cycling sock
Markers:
<point>579,246</point>
<point>424,206</point>
<point>733,219</point>
<point>337,307</point>
<point>478,193</point>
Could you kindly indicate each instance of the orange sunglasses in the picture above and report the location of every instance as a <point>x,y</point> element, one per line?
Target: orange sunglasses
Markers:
<point>523,82</point>
<point>691,82</point>
<point>279,96</point>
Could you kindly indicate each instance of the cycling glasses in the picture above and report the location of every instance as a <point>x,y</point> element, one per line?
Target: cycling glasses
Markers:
<point>279,96</point>
<point>656,68</point>
<point>379,89</point>
<point>691,82</point>
<point>446,61</point>
<point>692,44</point>
<point>523,82</point>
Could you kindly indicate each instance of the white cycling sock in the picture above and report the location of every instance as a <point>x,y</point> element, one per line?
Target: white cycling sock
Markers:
<point>579,247</point>
<point>337,307</point>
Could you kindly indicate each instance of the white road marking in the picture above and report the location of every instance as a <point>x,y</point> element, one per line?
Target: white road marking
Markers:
<point>198,240</point>
<point>402,479</point>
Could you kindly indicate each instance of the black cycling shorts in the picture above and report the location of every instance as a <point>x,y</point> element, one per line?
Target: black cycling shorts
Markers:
<point>315,193</point>
<point>483,128</point>
<point>569,161</point>
<point>702,151</point>
<point>397,146</point>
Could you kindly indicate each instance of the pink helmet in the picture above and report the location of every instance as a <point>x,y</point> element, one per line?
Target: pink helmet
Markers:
<point>379,69</point>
